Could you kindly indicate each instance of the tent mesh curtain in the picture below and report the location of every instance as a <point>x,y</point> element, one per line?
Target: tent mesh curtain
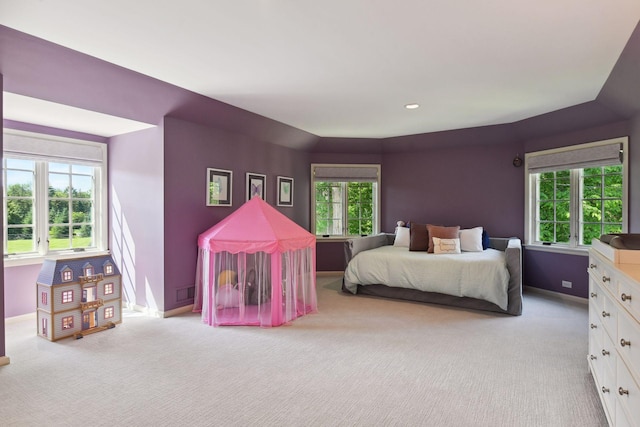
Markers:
<point>258,289</point>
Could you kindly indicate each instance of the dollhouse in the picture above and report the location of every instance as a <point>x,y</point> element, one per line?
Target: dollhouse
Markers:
<point>77,297</point>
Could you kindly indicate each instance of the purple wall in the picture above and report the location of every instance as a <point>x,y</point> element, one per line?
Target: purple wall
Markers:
<point>136,231</point>
<point>20,287</point>
<point>465,186</point>
<point>189,149</point>
<point>547,270</point>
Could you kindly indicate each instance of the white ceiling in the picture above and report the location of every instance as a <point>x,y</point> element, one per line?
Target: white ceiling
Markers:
<point>347,67</point>
<point>37,111</point>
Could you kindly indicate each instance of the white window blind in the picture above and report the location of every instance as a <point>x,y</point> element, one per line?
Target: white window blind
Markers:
<point>576,158</point>
<point>54,149</point>
<point>336,173</point>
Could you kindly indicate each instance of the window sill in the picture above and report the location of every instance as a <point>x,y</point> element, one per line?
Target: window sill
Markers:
<point>331,239</point>
<point>339,238</point>
<point>582,251</point>
<point>17,261</point>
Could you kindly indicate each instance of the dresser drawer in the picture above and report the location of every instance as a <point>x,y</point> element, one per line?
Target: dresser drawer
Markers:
<point>607,278</point>
<point>607,390</point>
<point>596,330</point>
<point>628,342</point>
<point>627,395</point>
<point>595,294</point>
<point>594,265</point>
<point>607,353</point>
<point>609,316</point>
<point>621,417</point>
<point>629,297</point>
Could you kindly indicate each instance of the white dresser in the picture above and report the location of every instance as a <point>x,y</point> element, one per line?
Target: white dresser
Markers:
<point>614,332</point>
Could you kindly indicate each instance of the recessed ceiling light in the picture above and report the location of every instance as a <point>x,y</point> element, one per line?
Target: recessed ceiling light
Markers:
<point>411,106</point>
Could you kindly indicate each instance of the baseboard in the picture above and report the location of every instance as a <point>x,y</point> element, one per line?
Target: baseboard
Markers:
<point>4,360</point>
<point>177,311</point>
<point>144,310</point>
<point>21,317</point>
<point>158,313</point>
<point>558,295</point>
<point>329,273</point>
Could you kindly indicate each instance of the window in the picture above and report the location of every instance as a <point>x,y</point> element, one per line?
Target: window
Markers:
<point>54,195</point>
<point>88,270</point>
<point>108,312</point>
<point>576,194</point>
<point>108,288</point>
<point>67,296</point>
<point>108,269</point>
<point>67,275</point>
<point>67,322</point>
<point>345,200</point>
<point>44,298</point>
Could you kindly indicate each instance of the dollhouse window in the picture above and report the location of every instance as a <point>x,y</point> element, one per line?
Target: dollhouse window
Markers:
<point>43,298</point>
<point>67,296</point>
<point>108,312</point>
<point>88,270</point>
<point>67,322</point>
<point>108,288</point>
<point>108,268</point>
<point>67,275</point>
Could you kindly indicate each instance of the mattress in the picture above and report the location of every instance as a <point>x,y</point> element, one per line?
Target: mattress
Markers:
<point>481,275</point>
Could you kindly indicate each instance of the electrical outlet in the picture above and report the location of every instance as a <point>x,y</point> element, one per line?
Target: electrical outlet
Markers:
<point>566,284</point>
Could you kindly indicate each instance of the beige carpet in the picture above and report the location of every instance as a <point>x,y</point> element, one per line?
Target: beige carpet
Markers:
<point>360,361</point>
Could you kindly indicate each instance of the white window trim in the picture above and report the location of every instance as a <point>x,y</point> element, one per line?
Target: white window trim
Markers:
<point>529,184</point>
<point>313,198</point>
<point>100,203</point>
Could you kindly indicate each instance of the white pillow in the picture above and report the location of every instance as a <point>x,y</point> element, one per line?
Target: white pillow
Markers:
<point>471,239</point>
<point>403,237</point>
<point>446,246</point>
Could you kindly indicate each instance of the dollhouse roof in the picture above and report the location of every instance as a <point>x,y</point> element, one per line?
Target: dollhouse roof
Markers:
<point>50,272</point>
<point>256,227</point>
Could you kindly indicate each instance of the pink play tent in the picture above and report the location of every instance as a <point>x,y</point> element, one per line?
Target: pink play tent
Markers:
<point>255,267</point>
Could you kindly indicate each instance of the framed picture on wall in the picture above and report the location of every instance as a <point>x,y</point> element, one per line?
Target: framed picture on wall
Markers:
<point>219,187</point>
<point>285,191</point>
<point>256,186</point>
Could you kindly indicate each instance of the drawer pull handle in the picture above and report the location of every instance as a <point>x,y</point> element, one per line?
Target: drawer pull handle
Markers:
<point>592,357</point>
<point>624,343</point>
<point>622,391</point>
<point>625,297</point>
<point>594,295</point>
<point>605,352</point>
<point>594,326</point>
<point>592,266</point>
<point>605,314</point>
<point>605,390</point>
<point>606,279</point>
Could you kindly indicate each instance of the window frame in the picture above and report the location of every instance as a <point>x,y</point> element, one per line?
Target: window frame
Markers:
<point>376,197</point>
<point>67,296</point>
<point>67,322</point>
<point>41,224</point>
<point>109,312</point>
<point>108,288</point>
<point>574,246</point>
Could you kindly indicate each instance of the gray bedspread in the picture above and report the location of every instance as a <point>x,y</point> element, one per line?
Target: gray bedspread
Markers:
<point>482,275</point>
<point>511,248</point>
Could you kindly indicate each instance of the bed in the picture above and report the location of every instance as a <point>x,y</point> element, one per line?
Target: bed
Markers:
<point>490,280</point>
